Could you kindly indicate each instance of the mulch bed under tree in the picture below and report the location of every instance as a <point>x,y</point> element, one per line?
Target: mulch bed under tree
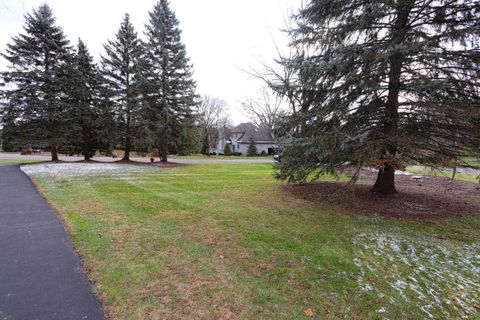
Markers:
<point>425,198</point>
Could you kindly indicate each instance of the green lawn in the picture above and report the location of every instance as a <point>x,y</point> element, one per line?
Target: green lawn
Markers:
<point>223,241</point>
<point>8,161</point>
<point>218,157</point>
<point>458,176</point>
<point>473,161</point>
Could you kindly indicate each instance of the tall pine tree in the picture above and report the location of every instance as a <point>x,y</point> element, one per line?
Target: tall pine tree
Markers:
<point>171,87</point>
<point>396,82</point>
<point>83,90</point>
<point>121,70</point>
<point>35,82</point>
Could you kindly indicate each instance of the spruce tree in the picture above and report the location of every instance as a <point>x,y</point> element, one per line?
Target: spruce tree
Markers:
<point>85,125</point>
<point>227,151</point>
<point>8,137</point>
<point>172,89</point>
<point>121,70</point>
<point>252,148</point>
<point>35,82</point>
<point>396,82</point>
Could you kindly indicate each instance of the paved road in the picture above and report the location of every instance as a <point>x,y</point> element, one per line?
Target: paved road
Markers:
<point>40,274</point>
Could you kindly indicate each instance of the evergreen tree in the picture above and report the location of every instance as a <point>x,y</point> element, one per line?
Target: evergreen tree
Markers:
<point>34,85</point>
<point>227,150</point>
<point>171,87</point>
<point>252,149</point>
<point>396,82</point>
<point>205,142</point>
<point>187,142</point>
<point>8,138</point>
<point>85,124</point>
<point>122,77</point>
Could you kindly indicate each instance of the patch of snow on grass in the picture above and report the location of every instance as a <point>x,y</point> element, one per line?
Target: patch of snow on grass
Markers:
<point>79,169</point>
<point>439,279</point>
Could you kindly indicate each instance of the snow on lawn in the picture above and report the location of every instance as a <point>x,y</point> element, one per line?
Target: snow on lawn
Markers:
<point>437,278</point>
<point>80,169</point>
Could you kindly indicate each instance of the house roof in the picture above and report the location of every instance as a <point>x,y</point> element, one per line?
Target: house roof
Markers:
<point>251,131</point>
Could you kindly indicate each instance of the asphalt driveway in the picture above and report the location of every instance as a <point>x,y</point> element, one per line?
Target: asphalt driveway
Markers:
<point>41,276</point>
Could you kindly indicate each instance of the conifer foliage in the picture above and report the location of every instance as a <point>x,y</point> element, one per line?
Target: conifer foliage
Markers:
<point>141,97</point>
<point>227,150</point>
<point>252,148</point>
<point>395,82</point>
<point>171,88</point>
<point>34,83</point>
<point>85,129</point>
<point>121,70</point>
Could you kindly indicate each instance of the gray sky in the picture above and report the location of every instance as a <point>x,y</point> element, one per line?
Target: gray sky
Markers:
<point>222,36</point>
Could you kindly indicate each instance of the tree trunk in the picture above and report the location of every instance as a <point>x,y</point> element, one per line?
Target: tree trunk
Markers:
<point>385,180</point>
<point>207,144</point>
<point>454,173</point>
<point>126,155</point>
<point>164,141</point>
<point>386,177</point>
<point>164,156</point>
<point>164,148</point>
<point>85,147</point>
<point>86,153</point>
<point>54,152</point>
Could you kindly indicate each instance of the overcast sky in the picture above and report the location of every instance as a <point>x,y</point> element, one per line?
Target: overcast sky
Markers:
<point>222,36</point>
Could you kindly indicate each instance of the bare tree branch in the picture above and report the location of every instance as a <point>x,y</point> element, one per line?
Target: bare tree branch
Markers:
<point>265,110</point>
<point>212,116</point>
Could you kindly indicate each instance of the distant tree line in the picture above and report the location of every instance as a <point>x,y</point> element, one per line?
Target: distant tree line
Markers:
<point>141,96</point>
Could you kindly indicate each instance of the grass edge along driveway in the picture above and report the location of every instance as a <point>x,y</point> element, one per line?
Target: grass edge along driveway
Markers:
<point>223,241</point>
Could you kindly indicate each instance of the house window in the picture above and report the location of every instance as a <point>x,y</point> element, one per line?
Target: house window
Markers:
<point>233,147</point>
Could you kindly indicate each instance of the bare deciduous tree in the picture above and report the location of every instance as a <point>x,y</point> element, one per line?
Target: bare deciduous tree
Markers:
<point>265,110</point>
<point>212,115</point>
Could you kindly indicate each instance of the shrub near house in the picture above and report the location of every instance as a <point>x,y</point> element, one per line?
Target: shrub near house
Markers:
<point>252,148</point>
<point>226,150</point>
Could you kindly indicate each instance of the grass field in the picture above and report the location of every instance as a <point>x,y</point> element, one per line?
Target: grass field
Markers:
<point>26,161</point>
<point>448,175</point>
<point>223,241</point>
<point>473,161</point>
<point>219,157</point>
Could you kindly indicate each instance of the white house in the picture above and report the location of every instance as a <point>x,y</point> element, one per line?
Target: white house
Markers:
<point>240,138</point>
